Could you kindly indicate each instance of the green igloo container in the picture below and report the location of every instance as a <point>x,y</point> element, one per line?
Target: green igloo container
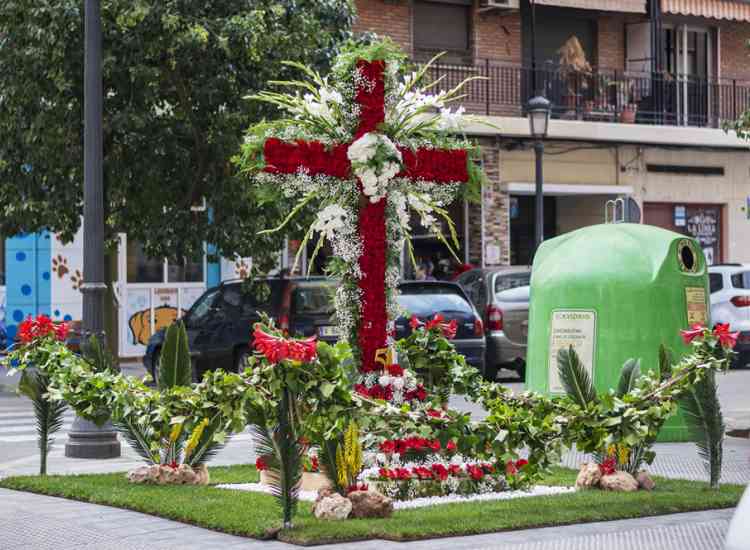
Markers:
<point>613,292</point>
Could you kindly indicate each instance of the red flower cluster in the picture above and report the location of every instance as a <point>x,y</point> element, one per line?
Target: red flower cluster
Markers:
<point>434,413</point>
<point>440,165</point>
<point>370,99</point>
<point>410,444</point>
<point>395,370</point>
<point>276,349</point>
<point>282,157</point>
<point>261,464</point>
<point>375,392</point>
<point>437,471</point>
<point>512,468</point>
<point>357,487</point>
<point>609,466</point>
<point>721,332</point>
<point>31,329</point>
<point>438,322</point>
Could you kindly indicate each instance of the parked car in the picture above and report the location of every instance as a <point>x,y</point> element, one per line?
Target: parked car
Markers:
<point>738,536</point>
<point>425,299</point>
<point>501,295</point>
<point>730,303</point>
<point>219,324</point>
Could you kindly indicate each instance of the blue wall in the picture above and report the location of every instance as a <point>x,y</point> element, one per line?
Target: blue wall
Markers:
<point>27,278</point>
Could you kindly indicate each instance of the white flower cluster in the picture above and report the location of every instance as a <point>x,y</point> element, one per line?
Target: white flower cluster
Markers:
<point>375,161</point>
<point>451,120</point>
<point>330,221</point>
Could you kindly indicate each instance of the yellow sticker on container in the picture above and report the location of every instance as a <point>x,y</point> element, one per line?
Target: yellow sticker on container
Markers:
<point>695,300</point>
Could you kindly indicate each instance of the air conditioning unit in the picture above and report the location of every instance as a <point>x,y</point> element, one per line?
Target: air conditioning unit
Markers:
<point>504,5</point>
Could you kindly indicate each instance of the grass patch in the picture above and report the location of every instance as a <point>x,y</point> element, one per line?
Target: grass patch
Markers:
<point>251,514</point>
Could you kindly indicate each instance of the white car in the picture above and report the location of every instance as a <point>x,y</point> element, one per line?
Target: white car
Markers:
<point>738,537</point>
<point>730,303</point>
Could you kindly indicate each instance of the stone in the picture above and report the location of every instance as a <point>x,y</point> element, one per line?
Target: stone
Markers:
<point>588,476</point>
<point>334,507</point>
<point>644,481</point>
<point>141,474</point>
<point>324,492</point>
<point>314,481</point>
<point>370,504</point>
<point>619,481</point>
<point>161,474</point>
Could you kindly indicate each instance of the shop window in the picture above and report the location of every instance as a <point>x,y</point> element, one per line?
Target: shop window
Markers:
<point>143,269</point>
<point>443,26</point>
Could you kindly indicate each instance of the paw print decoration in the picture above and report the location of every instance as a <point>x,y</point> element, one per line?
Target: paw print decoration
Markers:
<point>60,266</point>
<point>241,269</point>
<point>77,279</point>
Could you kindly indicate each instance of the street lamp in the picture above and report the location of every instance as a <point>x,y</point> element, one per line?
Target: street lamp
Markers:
<point>86,439</point>
<point>538,111</point>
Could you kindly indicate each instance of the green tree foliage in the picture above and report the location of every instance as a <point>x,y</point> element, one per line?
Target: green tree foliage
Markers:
<point>176,73</point>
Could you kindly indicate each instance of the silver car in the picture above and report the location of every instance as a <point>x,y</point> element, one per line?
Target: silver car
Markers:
<point>501,295</point>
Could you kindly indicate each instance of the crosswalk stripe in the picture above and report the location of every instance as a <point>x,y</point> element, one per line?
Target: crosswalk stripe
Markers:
<point>5,419</point>
<point>26,428</point>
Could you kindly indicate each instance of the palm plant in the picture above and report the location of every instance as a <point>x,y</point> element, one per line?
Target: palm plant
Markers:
<point>48,414</point>
<point>280,446</point>
<point>702,410</point>
<point>579,387</point>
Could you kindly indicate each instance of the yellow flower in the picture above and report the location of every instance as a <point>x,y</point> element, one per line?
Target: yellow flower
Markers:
<point>175,433</point>
<point>623,454</point>
<point>195,437</point>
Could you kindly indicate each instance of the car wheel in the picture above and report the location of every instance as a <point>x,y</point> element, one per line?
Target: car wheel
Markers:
<point>520,368</point>
<point>240,363</point>
<point>490,372</point>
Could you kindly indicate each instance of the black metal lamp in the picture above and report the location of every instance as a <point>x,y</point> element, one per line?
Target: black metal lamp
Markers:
<point>538,111</point>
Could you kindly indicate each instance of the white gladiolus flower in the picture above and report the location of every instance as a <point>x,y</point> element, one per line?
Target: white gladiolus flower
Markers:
<point>330,96</point>
<point>450,120</point>
<point>330,220</point>
<point>384,380</point>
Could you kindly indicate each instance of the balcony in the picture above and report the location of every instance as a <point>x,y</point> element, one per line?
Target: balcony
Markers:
<point>602,96</point>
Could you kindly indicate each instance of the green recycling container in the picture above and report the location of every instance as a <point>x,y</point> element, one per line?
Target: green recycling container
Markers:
<point>614,292</point>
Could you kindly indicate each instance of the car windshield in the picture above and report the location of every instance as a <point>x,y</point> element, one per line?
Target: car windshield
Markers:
<point>313,300</point>
<point>424,300</point>
<point>518,294</point>
<point>512,280</point>
<point>202,308</point>
<point>741,280</point>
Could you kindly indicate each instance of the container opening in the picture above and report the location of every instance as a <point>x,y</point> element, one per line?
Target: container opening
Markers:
<point>687,257</point>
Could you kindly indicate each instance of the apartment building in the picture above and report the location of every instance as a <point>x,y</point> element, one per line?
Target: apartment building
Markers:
<point>637,112</point>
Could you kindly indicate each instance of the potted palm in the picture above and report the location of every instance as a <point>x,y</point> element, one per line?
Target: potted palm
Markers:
<point>573,67</point>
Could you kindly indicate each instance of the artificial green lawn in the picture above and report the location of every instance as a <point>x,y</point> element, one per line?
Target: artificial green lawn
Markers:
<point>252,514</point>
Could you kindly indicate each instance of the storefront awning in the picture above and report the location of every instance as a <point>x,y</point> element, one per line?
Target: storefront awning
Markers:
<point>734,10</point>
<point>564,189</point>
<point>629,6</point>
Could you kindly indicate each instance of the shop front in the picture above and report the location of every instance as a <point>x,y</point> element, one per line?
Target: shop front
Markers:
<point>700,221</point>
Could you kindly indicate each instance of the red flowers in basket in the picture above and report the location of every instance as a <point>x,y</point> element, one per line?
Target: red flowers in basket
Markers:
<point>410,444</point>
<point>276,348</point>
<point>32,329</point>
<point>720,332</point>
<point>438,322</point>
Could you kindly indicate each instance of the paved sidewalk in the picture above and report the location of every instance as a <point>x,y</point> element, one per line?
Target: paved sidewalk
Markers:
<point>34,522</point>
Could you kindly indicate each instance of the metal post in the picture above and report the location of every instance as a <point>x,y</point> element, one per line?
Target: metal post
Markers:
<point>539,195</point>
<point>86,440</point>
<point>534,90</point>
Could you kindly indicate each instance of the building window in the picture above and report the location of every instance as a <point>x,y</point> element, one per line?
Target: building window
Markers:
<point>2,261</point>
<point>143,269</point>
<point>443,26</point>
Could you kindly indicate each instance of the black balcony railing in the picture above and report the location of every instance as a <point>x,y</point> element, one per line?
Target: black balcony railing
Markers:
<point>601,95</point>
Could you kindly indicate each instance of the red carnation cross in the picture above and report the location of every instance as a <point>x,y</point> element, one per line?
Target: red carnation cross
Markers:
<point>426,164</point>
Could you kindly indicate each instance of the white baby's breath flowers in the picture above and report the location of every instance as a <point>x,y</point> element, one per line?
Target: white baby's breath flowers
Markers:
<point>330,220</point>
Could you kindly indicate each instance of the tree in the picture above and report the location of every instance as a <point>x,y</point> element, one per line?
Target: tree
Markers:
<point>176,73</point>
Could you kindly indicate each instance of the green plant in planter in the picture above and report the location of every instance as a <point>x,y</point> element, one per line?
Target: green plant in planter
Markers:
<point>40,352</point>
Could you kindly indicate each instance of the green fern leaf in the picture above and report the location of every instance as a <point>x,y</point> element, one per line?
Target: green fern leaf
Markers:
<point>702,410</point>
<point>629,375</point>
<point>175,368</point>
<point>137,436</point>
<point>666,360</point>
<point>574,378</point>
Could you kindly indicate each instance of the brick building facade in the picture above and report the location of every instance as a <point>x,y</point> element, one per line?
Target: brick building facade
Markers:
<point>644,124</point>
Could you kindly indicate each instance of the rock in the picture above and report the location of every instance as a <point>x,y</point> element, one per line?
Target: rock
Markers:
<point>370,504</point>
<point>166,475</point>
<point>333,507</point>
<point>201,475</point>
<point>589,475</point>
<point>619,481</point>
<point>324,492</point>
<point>142,474</point>
<point>644,481</point>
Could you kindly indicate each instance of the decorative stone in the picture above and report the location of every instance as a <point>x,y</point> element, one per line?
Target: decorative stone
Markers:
<point>619,481</point>
<point>588,476</point>
<point>644,481</point>
<point>314,481</point>
<point>370,504</point>
<point>166,475</point>
<point>334,507</point>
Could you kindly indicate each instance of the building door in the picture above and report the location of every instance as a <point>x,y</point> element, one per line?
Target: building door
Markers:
<point>700,221</point>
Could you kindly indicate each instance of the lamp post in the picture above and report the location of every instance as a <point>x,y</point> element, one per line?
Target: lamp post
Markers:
<point>86,439</point>
<point>538,111</point>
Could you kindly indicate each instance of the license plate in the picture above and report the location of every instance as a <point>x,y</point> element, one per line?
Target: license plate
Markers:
<point>329,332</point>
